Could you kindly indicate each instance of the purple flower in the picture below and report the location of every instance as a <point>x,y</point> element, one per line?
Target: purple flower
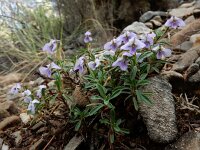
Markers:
<point>122,63</point>
<point>15,89</point>
<point>88,37</point>
<point>46,71</point>
<point>132,45</point>
<point>50,47</point>
<point>162,52</point>
<point>148,41</point>
<point>112,45</point>
<point>26,93</point>
<point>126,37</point>
<point>79,66</point>
<point>39,91</point>
<point>174,22</point>
<point>94,64</point>
<point>31,106</point>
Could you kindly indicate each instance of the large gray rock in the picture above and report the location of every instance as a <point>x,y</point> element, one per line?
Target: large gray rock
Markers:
<point>159,118</point>
<point>150,14</point>
<point>138,27</point>
<point>189,141</point>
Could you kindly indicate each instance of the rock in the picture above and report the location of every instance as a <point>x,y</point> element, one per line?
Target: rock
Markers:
<point>198,61</point>
<point>9,120</point>
<point>182,12</point>
<point>195,78</point>
<point>138,28</point>
<point>74,143</point>
<point>3,113</point>
<point>5,147</point>
<point>25,118</point>
<point>184,46</point>
<point>187,31</point>
<point>18,137</point>
<point>38,145</point>
<point>195,39</point>
<point>196,13</point>
<point>150,14</point>
<point>149,25</point>
<point>156,23</point>
<point>175,79</point>
<point>189,141</point>
<point>158,18</point>
<point>1,143</point>
<point>189,19</point>
<point>194,68</point>
<point>159,118</point>
<point>186,59</point>
<point>9,106</point>
<point>187,5</point>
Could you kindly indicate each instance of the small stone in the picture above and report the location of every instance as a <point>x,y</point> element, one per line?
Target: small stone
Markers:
<point>138,28</point>
<point>189,141</point>
<point>196,13</point>
<point>159,118</point>
<point>25,117</point>
<point>186,59</point>
<point>195,78</point>
<point>9,106</point>
<point>195,39</point>
<point>184,46</point>
<point>182,12</point>
<point>150,14</point>
<point>18,137</point>
<point>5,147</point>
<point>157,18</point>
<point>156,23</point>
<point>198,61</point>
<point>149,25</point>
<point>189,19</point>
<point>192,70</point>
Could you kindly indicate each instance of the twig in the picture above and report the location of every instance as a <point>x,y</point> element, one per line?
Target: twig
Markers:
<point>49,142</point>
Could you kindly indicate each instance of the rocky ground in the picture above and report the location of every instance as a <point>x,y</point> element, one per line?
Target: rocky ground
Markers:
<point>173,122</point>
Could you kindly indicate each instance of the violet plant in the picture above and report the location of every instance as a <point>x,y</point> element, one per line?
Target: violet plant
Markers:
<point>112,75</point>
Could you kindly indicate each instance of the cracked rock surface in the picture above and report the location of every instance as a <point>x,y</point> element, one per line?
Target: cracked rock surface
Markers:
<point>159,118</point>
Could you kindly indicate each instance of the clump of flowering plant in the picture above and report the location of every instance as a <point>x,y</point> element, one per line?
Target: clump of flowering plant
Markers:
<point>112,77</point>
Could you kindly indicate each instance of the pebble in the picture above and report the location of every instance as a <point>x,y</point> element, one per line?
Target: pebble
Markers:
<point>25,118</point>
<point>189,141</point>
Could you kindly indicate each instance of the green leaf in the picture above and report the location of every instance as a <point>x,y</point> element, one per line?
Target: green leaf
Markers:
<point>142,82</point>
<point>95,109</point>
<point>102,90</point>
<point>115,94</point>
<point>133,72</point>
<point>145,55</point>
<point>142,98</point>
<point>112,138</point>
<point>96,97</point>
<point>104,121</point>
<point>143,76</point>
<point>78,125</point>
<point>156,69</point>
<point>135,103</point>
